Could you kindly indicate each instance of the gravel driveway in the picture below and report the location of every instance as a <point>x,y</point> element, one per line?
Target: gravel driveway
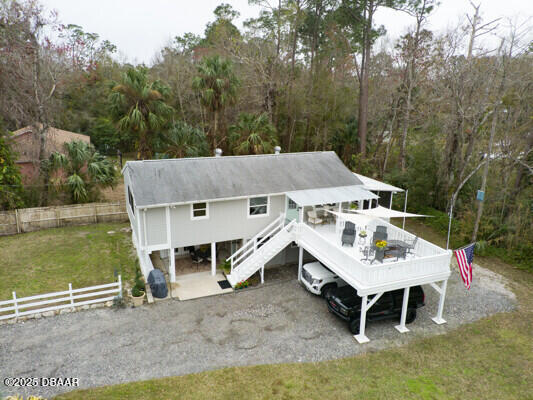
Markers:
<point>275,323</point>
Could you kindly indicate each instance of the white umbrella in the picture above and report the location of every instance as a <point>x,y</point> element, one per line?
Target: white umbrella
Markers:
<point>382,212</point>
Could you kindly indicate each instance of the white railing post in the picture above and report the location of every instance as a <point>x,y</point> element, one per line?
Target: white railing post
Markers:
<point>119,286</point>
<point>231,263</point>
<point>70,295</point>
<point>15,304</point>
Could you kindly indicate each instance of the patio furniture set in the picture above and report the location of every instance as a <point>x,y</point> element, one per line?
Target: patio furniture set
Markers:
<point>389,249</point>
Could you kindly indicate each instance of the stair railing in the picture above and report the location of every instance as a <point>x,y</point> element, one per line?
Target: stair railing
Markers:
<point>251,246</point>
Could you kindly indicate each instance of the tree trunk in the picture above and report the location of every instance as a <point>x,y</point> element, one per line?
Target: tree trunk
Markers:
<point>403,163</point>
<point>363,81</point>
<point>485,174</point>
<point>215,127</point>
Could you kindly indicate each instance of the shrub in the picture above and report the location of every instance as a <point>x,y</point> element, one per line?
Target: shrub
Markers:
<point>242,285</point>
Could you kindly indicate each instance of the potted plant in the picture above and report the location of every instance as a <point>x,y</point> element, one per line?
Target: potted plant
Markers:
<point>138,290</point>
<point>137,296</point>
<point>380,248</point>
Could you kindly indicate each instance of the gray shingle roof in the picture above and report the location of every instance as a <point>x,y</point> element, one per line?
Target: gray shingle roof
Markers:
<point>209,178</point>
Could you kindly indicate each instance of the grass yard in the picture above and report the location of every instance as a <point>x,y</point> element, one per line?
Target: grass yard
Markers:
<point>48,260</point>
<point>489,359</point>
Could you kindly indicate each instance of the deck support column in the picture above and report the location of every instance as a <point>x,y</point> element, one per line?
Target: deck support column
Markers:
<point>213,258</point>
<point>172,264</point>
<point>300,262</point>
<point>171,255</point>
<point>442,291</point>
<point>401,328</point>
<point>361,337</point>
<point>365,305</point>
<point>262,274</point>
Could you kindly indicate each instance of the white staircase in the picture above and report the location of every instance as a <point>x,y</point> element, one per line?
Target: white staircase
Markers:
<point>253,256</point>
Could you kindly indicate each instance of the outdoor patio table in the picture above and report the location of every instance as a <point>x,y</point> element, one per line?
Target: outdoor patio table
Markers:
<point>396,243</point>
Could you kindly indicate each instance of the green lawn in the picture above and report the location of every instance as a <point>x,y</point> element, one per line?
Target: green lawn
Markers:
<point>48,260</point>
<point>489,359</point>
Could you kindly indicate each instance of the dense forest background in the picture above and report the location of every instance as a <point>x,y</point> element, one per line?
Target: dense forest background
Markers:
<point>436,113</point>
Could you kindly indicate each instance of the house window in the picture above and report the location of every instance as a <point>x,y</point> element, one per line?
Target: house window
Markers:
<point>199,211</point>
<point>292,205</point>
<point>130,200</point>
<point>258,206</point>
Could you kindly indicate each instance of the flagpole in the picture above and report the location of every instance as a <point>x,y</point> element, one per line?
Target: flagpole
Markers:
<point>405,208</point>
<point>449,227</point>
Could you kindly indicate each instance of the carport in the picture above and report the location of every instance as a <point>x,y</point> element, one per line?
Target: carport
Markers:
<point>429,267</point>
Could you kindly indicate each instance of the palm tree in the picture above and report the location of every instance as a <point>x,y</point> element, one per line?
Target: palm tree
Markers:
<point>183,140</point>
<point>217,85</point>
<point>253,134</point>
<point>81,170</point>
<point>139,107</point>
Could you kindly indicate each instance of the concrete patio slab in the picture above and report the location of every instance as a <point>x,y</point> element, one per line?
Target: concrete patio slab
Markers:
<point>200,284</point>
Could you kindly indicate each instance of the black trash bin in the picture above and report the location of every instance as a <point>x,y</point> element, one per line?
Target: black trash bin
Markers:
<point>158,284</point>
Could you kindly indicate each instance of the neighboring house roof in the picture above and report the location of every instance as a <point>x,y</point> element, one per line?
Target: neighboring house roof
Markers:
<point>158,182</point>
<point>26,144</point>
<point>372,184</point>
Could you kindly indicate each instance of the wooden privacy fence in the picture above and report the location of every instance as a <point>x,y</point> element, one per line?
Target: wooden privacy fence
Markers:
<point>18,307</point>
<point>34,219</point>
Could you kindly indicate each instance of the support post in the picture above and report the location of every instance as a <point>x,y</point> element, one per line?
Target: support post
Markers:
<point>300,262</point>
<point>213,258</point>
<point>262,274</point>
<point>401,328</point>
<point>338,221</point>
<point>15,304</point>
<point>390,205</point>
<point>438,318</point>
<point>405,208</point>
<point>120,286</point>
<point>17,220</point>
<point>449,227</point>
<point>361,337</point>
<point>71,296</point>
<point>171,252</point>
<point>172,264</point>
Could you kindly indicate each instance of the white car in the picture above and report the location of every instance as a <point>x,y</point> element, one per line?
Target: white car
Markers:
<point>318,279</point>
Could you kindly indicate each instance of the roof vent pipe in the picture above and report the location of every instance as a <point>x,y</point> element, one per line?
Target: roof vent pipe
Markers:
<point>277,150</point>
<point>218,152</point>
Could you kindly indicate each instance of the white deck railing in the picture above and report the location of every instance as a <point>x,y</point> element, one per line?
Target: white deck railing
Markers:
<point>429,259</point>
<point>21,306</point>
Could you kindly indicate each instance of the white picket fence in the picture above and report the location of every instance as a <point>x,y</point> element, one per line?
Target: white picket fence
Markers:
<point>60,300</point>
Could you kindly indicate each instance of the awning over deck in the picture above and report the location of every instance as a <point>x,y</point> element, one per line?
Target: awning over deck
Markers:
<point>373,184</point>
<point>313,197</point>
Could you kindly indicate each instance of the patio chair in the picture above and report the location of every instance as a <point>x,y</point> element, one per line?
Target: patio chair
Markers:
<point>312,218</point>
<point>379,236</point>
<point>412,245</point>
<point>195,257</point>
<point>381,228</point>
<point>348,234</point>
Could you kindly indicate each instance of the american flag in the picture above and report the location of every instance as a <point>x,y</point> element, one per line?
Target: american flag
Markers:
<point>465,257</point>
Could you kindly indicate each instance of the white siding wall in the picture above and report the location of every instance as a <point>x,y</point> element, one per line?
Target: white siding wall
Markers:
<point>228,220</point>
<point>156,226</point>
